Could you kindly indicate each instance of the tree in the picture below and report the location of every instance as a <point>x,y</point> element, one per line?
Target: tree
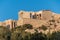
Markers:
<point>4,33</point>
<point>55,36</point>
<point>20,34</point>
<point>38,36</point>
<point>28,26</point>
<point>43,27</point>
<point>16,34</point>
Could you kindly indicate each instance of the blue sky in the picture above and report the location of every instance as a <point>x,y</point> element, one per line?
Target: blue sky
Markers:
<point>9,8</point>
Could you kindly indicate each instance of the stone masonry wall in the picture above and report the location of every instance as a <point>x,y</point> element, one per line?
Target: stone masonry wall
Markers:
<point>36,23</point>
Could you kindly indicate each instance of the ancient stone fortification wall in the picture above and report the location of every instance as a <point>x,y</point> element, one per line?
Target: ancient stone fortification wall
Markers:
<point>23,14</point>
<point>46,15</point>
<point>35,22</point>
<point>19,22</point>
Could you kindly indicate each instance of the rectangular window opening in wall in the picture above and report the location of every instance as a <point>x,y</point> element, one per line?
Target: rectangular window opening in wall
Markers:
<point>40,15</point>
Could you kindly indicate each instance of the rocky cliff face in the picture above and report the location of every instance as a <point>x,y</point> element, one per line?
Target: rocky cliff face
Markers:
<point>46,17</point>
